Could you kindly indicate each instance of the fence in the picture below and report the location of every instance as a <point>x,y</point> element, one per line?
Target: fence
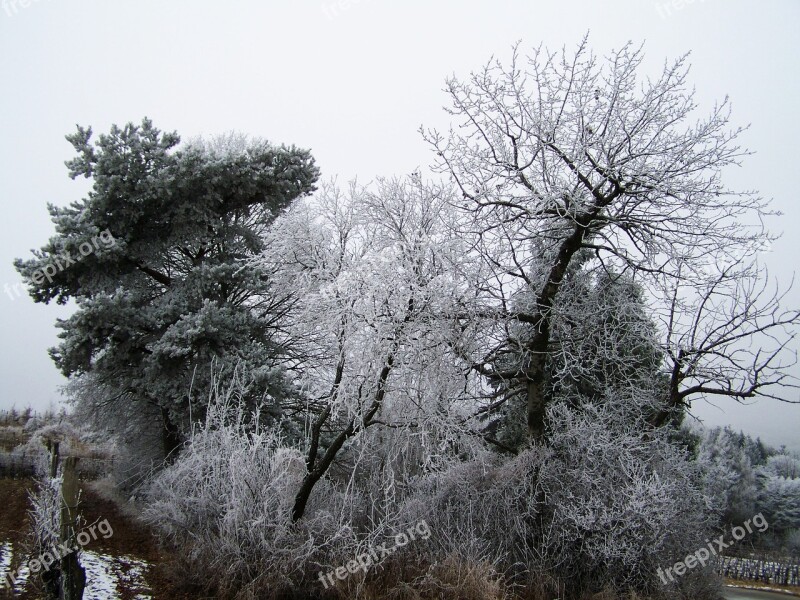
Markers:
<point>11,437</point>
<point>20,464</point>
<point>19,459</point>
<point>767,571</point>
<point>16,465</point>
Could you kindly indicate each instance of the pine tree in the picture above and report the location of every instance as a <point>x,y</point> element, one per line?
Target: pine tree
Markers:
<point>156,258</point>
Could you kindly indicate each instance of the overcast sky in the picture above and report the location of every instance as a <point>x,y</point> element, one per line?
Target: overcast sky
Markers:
<point>353,81</point>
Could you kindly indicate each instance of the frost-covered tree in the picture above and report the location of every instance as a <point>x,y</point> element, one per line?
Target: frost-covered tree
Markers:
<point>727,474</point>
<point>560,154</point>
<point>604,346</point>
<point>171,294</point>
<point>375,333</point>
<point>780,501</point>
<point>742,477</point>
<point>726,334</point>
<point>604,339</point>
<point>783,465</point>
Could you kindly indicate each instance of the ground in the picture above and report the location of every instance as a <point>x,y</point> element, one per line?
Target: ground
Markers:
<point>130,545</point>
<point>127,565</point>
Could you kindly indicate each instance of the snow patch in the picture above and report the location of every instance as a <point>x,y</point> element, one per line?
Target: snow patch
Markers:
<point>6,559</point>
<point>106,575</point>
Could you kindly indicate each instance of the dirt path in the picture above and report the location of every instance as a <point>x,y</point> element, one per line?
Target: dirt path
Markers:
<point>126,564</point>
<point>14,525</point>
<point>132,539</point>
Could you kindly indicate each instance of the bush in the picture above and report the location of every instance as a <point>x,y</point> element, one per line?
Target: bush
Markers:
<point>597,510</point>
<point>226,504</point>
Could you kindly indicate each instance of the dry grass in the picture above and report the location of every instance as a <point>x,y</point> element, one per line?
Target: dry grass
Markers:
<point>455,578</point>
<point>452,579</point>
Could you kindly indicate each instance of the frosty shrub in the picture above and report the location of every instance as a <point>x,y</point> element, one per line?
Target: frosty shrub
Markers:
<point>226,505</point>
<point>35,449</point>
<point>620,501</point>
<point>599,507</point>
<point>45,516</point>
<point>32,424</point>
<point>45,512</point>
<point>93,451</point>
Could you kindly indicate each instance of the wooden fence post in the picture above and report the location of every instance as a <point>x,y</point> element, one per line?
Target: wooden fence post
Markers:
<point>52,446</point>
<point>73,575</point>
<point>66,582</point>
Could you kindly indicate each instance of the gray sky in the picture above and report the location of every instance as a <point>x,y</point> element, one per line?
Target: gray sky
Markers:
<point>352,81</point>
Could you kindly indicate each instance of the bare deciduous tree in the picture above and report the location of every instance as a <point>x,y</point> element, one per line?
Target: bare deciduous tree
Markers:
<point>373,331</point>
<point>559,154</point>
<point>727,335</point>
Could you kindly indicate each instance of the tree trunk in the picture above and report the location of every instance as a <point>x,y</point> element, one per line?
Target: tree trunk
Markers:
<point>536,373</point>
<point>315,474</point>
<point>674,399</point>
<point>317,470</point>
<point>170,437</point>
<point>537,401</point>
